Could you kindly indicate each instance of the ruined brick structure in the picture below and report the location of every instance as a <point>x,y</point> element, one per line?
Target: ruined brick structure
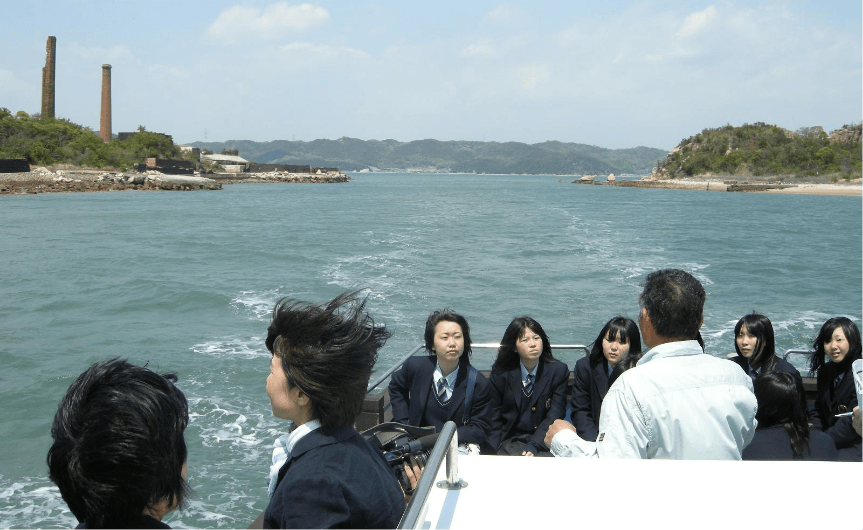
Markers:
<point>48,78</point>
<point>105,117</point>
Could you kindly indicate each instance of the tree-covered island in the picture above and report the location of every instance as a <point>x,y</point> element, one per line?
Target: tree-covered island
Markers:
<point>766,151</point>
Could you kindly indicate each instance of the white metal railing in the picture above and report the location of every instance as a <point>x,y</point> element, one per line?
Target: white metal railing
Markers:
<point>446,445</point>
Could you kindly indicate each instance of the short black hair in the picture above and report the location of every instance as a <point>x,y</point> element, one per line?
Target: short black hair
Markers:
<point>674,301</point>
<point>447,315</point>
<point>118,443</point>
<point>328,351</point>
<point>507,355</point>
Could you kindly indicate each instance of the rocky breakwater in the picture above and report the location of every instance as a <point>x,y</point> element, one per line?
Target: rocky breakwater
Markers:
<point>42,180</point>
<point>318,177</point>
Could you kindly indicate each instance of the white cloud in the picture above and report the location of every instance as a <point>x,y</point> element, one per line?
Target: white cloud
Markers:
<point>308,54</point>
<point>505,13</point>
<point>116,54</point>
<point>534,76</point>
<point>484,50</point>
<point>241,22</point>
<point>696,23</point>
<point>11,86</point>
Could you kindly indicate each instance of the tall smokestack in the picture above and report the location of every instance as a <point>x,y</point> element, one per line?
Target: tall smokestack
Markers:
<point>48,78</point>
<point>105,120</point>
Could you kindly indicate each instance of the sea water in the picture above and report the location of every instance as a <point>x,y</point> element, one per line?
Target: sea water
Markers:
<point>186,282</point>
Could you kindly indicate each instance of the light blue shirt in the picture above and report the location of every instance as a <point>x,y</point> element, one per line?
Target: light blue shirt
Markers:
<point>449,381</point>
<point>525,371</point>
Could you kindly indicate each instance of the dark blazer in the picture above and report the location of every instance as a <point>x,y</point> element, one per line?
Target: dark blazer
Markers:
<point>335,478</point>
<point>588,390</point>
<point>410,388</point>
<point>830,402</point>
<point>781,366</point>
<point>773,443</point>
<point>546,403</point>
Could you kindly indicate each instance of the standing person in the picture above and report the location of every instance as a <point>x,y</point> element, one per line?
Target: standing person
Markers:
<point>433,389</point>
<point>119,455</point>
<point>839,339</point>
<point>528,390</point>
<point>756,348</point>
<point>324,473</point>
<point>678,402</point>
<point>783,426</point>
<point>617,347</point>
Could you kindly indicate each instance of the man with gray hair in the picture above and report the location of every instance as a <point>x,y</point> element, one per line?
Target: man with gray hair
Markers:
<point>678,402</point>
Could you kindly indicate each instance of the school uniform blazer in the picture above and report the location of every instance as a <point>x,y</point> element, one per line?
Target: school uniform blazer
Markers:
<point>822,413</point>
<point>546,403</point>
<point>588,390</point>
<point>773,443</point>
<point>781,366</point>
<point>410,389</point>
<point>335,478</point>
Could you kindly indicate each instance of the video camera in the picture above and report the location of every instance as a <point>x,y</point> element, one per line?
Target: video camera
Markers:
<point>402,445</point>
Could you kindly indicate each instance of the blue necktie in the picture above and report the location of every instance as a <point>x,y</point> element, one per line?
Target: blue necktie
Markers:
<point>441,389</point>
<point>528,386</point>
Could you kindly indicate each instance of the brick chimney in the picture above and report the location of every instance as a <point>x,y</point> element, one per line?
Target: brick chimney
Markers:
<point>48,78</point>
<point>105,118</point>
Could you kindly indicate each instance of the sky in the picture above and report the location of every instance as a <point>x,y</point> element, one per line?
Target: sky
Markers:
<point>615,74</point>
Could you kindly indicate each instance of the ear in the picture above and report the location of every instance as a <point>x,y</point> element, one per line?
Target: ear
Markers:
<point>302,399</point>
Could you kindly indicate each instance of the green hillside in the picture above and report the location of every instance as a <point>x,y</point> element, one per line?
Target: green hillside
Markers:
<point>767,150</point>
<point>351,154</point>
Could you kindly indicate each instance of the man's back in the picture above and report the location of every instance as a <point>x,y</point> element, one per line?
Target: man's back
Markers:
<point>678,403</point>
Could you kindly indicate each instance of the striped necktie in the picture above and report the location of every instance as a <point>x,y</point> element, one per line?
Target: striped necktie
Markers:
<point>441,389</point>
<point>528,384</point>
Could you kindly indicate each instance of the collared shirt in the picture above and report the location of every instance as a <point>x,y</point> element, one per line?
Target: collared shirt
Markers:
<point>282,448</point>
<point>677,403</point>
<point>449,381</point>
<point>525,371</point>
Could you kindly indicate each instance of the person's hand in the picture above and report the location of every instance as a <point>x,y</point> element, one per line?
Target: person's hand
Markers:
<point>413,472</point>
<point>556,427</point>
<point>526,453</point>
<point>855,419</point>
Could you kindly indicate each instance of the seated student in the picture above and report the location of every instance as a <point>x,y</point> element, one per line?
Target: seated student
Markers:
<point>756,348</point>
<point>324,473</point>
<point>433,389</point>
<point>783,426</point>
<point>839,339</point>
<point>119,456</point>
<point>528,390</point>
<point>616,349</point>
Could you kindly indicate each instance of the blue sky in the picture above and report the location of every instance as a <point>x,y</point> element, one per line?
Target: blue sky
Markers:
<point>614,74</point>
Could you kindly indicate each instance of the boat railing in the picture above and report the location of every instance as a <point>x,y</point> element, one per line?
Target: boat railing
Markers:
<point>446,445</point>
<point>793,351</point>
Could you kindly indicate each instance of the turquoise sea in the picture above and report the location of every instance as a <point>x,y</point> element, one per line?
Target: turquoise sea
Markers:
<point>185,281</point>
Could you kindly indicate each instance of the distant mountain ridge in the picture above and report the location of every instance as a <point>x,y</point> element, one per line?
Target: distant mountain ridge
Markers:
<point>351,154</point>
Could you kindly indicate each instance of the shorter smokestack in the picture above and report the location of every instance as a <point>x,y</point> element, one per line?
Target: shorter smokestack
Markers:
<point>105,119</point>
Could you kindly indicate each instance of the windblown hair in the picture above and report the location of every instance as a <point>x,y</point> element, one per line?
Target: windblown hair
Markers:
<point>618,328</point>
<point>782,401</point>
<point>764,355</point>
<point>449,316</point>
<point>328,351</point>
<point>852,335</point>
<point>674,301</point>
<point>118,443</point>
<point>507,355</point>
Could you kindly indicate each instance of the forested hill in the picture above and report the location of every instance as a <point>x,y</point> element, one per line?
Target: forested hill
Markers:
<point>350,154</point>
<point>766,150</point>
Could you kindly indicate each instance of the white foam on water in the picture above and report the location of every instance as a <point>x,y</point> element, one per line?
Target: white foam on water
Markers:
<point>258,305</point>
<point>251,348</point>
<point>33,501</point>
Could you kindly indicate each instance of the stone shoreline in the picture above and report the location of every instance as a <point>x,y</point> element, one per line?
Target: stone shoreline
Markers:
<point>852,188</point>
<point>43,180</point>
